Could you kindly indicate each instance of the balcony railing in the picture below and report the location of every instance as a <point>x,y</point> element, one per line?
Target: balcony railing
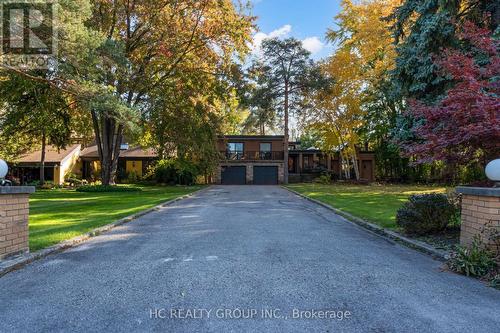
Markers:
<point>253,156</point>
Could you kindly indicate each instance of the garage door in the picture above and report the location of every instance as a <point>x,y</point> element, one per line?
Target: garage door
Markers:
<point>233,175</point>
<point>265,175</point>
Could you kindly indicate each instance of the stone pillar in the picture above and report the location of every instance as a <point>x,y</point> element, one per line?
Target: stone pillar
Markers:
<point>480,214</point>
<point>14,211</point>
<point>218,174</point>
<point>249,175</point>
<point>281,173</point>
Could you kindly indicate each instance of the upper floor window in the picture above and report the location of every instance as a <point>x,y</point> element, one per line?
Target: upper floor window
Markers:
<point>265,147</point>
<point>265,151</point>
<point>235,150</point>
<point>235,147</point>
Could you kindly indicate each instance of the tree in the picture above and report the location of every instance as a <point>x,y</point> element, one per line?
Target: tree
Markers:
<point>156,41</point>
<point>310,139</point>
<point>116,56</point>
<point>35,114</point>
<point>286,72</point>
<point>336,113</point>
<point>465,124</point>
<point>423,28</point>
<point>358,70</point>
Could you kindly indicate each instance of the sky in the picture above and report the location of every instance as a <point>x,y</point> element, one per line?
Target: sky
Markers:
<point>305,20</point>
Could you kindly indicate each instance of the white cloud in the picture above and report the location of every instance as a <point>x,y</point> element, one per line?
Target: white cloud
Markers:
<point>313,44</point>
<point>260,36</point>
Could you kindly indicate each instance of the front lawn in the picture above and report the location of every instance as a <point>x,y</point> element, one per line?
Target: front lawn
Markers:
<point>374,203</point>
<point>58,215</point>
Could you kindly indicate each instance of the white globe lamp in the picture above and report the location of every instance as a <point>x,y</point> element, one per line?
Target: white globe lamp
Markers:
<point>493,171</point>
<point>4,168</point>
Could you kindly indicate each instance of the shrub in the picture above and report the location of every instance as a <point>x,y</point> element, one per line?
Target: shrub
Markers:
<point>425,214</point>
<point>73,179</point>
<point>474,261</point>
<point>325,179</point>
<point>107,188</point>
<point>47,186</point>
<point>132,177</point>
<point>173,171</point>
<point>495,282</point>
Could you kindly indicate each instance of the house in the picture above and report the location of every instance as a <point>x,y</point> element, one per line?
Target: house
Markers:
<point>259,160</point>
<point>244,159</point>
<point>58,163</point>
<point>132,159</point>
<point>250,159</point>
<point>307,164</point>
<point>83,162</point>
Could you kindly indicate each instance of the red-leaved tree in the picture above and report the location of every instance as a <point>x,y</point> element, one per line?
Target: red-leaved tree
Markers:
<point>464,125</point>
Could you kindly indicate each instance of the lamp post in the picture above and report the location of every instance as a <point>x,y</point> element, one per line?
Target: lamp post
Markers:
<point>4,168</point>
<point>493,171</point>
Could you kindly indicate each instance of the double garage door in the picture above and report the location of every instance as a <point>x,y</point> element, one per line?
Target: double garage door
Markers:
<point>262,175</point>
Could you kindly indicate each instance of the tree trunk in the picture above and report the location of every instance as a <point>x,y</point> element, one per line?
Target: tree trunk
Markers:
<point>355,166</point>
<point>109,136</point>
<point>42,161</point>
<point>285,148</point>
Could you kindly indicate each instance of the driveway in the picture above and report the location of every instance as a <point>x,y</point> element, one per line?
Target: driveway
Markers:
<point>204,263</point>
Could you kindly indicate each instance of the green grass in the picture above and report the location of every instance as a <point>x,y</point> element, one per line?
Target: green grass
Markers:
<point>374,203</point>
<point>58,215</point>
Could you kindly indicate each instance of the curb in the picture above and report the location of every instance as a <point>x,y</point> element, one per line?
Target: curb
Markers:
<point>18,262</point>
<point>386,233</point>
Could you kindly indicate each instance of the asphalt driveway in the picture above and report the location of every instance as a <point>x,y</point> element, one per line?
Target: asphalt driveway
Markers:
<point>243,258</point>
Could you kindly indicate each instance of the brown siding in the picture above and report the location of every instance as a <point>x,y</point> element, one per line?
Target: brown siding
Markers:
<point>253,144</point>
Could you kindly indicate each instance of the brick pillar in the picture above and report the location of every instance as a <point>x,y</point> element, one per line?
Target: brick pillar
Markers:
<point>480,214</point>
<point>14,211</point>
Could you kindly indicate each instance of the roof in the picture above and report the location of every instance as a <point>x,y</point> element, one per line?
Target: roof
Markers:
<point>52,154</point>
<point>133,152</point>
<point>253,137</point>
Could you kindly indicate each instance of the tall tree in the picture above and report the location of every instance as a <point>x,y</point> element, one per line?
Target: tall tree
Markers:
<point>336,113</point>
<point>423,28</point>
<point>286,69</point>
<point>115,56</point>
<point>359,67</point>
<point>465,125</point>
<point>157,40</point>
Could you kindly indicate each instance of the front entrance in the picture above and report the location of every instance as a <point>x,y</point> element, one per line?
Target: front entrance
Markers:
<point>265,175</point>
<point>233,175</point>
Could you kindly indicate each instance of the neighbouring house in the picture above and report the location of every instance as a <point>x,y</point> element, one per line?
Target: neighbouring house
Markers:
<point>58,163</point>
<point>83,162</point>
<point>259,159</point>
<point>132,160</point>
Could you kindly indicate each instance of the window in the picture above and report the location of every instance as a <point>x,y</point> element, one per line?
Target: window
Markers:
<point>235,150</point>
<point>265,147</point>
<point>265,151</point>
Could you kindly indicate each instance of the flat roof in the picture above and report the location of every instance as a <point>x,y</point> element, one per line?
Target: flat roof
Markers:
<point>253,137</point>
